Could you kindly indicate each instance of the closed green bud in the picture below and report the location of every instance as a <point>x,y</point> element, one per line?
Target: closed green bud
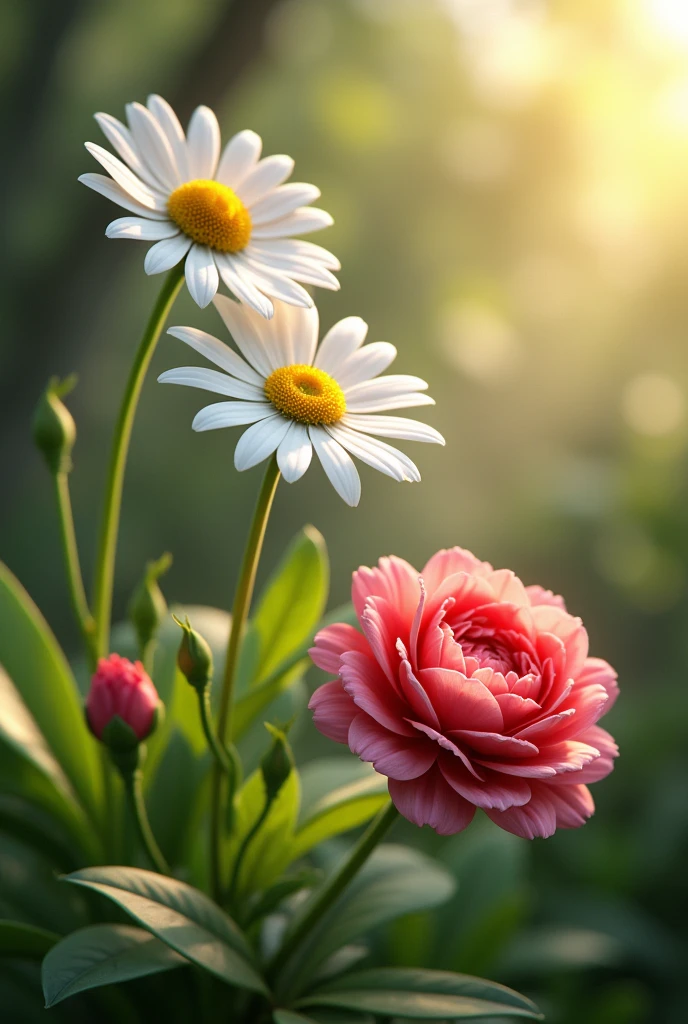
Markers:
<point>54,429</point>
<point>277,765</point>
<point>147,607</point>
<point>194,658</point>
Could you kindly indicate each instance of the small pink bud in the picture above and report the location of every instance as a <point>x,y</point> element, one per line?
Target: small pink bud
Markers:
<point>122,689</point>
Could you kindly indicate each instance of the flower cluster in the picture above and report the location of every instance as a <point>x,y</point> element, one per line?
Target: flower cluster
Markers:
<point>468,690</point>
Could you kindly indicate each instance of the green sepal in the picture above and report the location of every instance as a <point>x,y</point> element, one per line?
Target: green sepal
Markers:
<point>147,607</point>
<point>54,429</point>
<point>194,658</point>
<point>277,764</point>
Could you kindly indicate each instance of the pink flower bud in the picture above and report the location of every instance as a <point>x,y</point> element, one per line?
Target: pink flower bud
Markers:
<point>122,689</point>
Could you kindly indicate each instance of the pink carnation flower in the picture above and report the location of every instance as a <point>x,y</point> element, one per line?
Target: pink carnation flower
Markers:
<point>468,690</point>
<point>121,688</point>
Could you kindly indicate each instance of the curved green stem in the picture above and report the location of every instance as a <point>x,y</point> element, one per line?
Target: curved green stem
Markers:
<point>107,545</point>
<point>240,610</point>
<point>332,888</point>
<point>75,580</point>
<point>248,839</point>
<point>226,757</point>
<point>134,791</point>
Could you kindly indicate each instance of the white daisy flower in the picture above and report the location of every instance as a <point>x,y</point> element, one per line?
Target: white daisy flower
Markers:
<point>298,395</point>
<point>229,216</point>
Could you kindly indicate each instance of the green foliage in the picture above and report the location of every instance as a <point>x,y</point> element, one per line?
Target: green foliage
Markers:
<point>25,940</point>
<point>421,995</point>
<point>339,811</point>
<point>34,662</point>
<point>292,602</point>
<point>103,954</point>
<point>180,916</point>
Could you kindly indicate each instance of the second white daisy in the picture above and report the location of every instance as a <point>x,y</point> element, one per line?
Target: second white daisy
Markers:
<point>298,396</point>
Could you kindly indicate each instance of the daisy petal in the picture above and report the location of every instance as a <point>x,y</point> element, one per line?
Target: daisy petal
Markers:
<point>366,363</point>
<point>153,146</point>
<point>283,200</point>
<point>246,328</point>
<point>377,454</point>
<point>299,248</point>
<point>203,143</point>
<point>383,387</point>
<point>392,426</point>
<point>131,184</point>
<point>173,131</point>
<point>141,228</point>
<point>211,380</point>
<point>266,175</point>
<point>294,453</point>
<point>408,400</point>
<point>300,222</point>
<point>273,283</point>
<point>298,268</point>
<point>338,344</point>
<point>111,190</point>
<point>340,470</point>
<point>202,277</point>
<point>241,154</point>
<point>119,136</point>
<point>260,441</point>
<point>217,352</point>
<point>237,280</point>
<point>231,414</point>
<point>166,254</point>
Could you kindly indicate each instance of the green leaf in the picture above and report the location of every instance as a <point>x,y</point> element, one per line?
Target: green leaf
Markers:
<point>25,940</point>
<point>289,1017</point>
<point>269,852</point>
<point>30,770</point>
<point>341,810</point>
<point>421,995</point>
<point>308,878</point>
<point>103,954</point>
<point>182,917</point>
<point>395,881</point>
<point>34,661</point>
<point>174,795</point>
<point>293,600</point>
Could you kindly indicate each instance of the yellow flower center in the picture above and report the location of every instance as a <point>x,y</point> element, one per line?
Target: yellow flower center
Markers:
<point>306,395</point>
<point>212,214</point>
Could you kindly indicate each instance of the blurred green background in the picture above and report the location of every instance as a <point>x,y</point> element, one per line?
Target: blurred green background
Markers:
<point>508,181</point>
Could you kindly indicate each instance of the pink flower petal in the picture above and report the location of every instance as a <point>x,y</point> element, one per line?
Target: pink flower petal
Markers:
<point>573,804</point>
<point>394,579</point>
<point>538,595</point>
<point>430,800</point>
<point>446,744</point>
<point>391,754</point>
<point>333,711</point>
<point>493,791</point>
<point>364,681</point>
<point>461,703</point>
<point>599,671</point>
<point>599,767</point>
<point>332,641</point>
<point>418,700</point>
<point>538,818</point>
<point>495,743</point>
<point>450,561</point>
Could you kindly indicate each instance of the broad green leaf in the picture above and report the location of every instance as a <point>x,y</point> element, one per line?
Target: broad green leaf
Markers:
<point>341,810</point>
<point>182,917</point>
<point>26,820</point>
<point>277,893</point>
<point>31,892</point>
<point>293,600</point>
<point>103,954</point>
<point>324,774</point>
<point>395,881</point>
<point>40,779</point>
<point>421,995</point>
<point>25,940</point>
<point>289,1017</point>
<point>269,852</point>
<point>36,665</point>
<point>174,794</point>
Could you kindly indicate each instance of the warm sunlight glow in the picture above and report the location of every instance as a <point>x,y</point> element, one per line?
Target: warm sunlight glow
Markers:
<point>669,18</point>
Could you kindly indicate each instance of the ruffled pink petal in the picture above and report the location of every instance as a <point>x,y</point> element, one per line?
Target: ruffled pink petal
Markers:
<point>332,641</point>
<point>382,629</point>
<point>446,744</point>
<point>417,698</point>
<point>448,562</point>
<point>573,804</point>
<point>494,743</point>
<point>364,681</point>
<point>461,703</point>
<point>467,592</point>
<point>391,754</point>
<point>430,800</point>
<point>508,587</point>
<point>496,792</point>
<point>569,756</point>
<point>599,671</point>
<point>517,711</point>
<point>333,711</point>
<point>538,595</point>
<point>393,579</point>
<point>550,619</point>
<point>599,767</point>
<point>537,819</point>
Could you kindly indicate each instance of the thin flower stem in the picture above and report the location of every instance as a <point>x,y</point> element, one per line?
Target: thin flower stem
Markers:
<point>248,839</point>
<point>240,610</point>
<point>134,790</point>
<point>107,546</point>
<point>75,580</point>
<point>333,887</point>
<point>222,756</point>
